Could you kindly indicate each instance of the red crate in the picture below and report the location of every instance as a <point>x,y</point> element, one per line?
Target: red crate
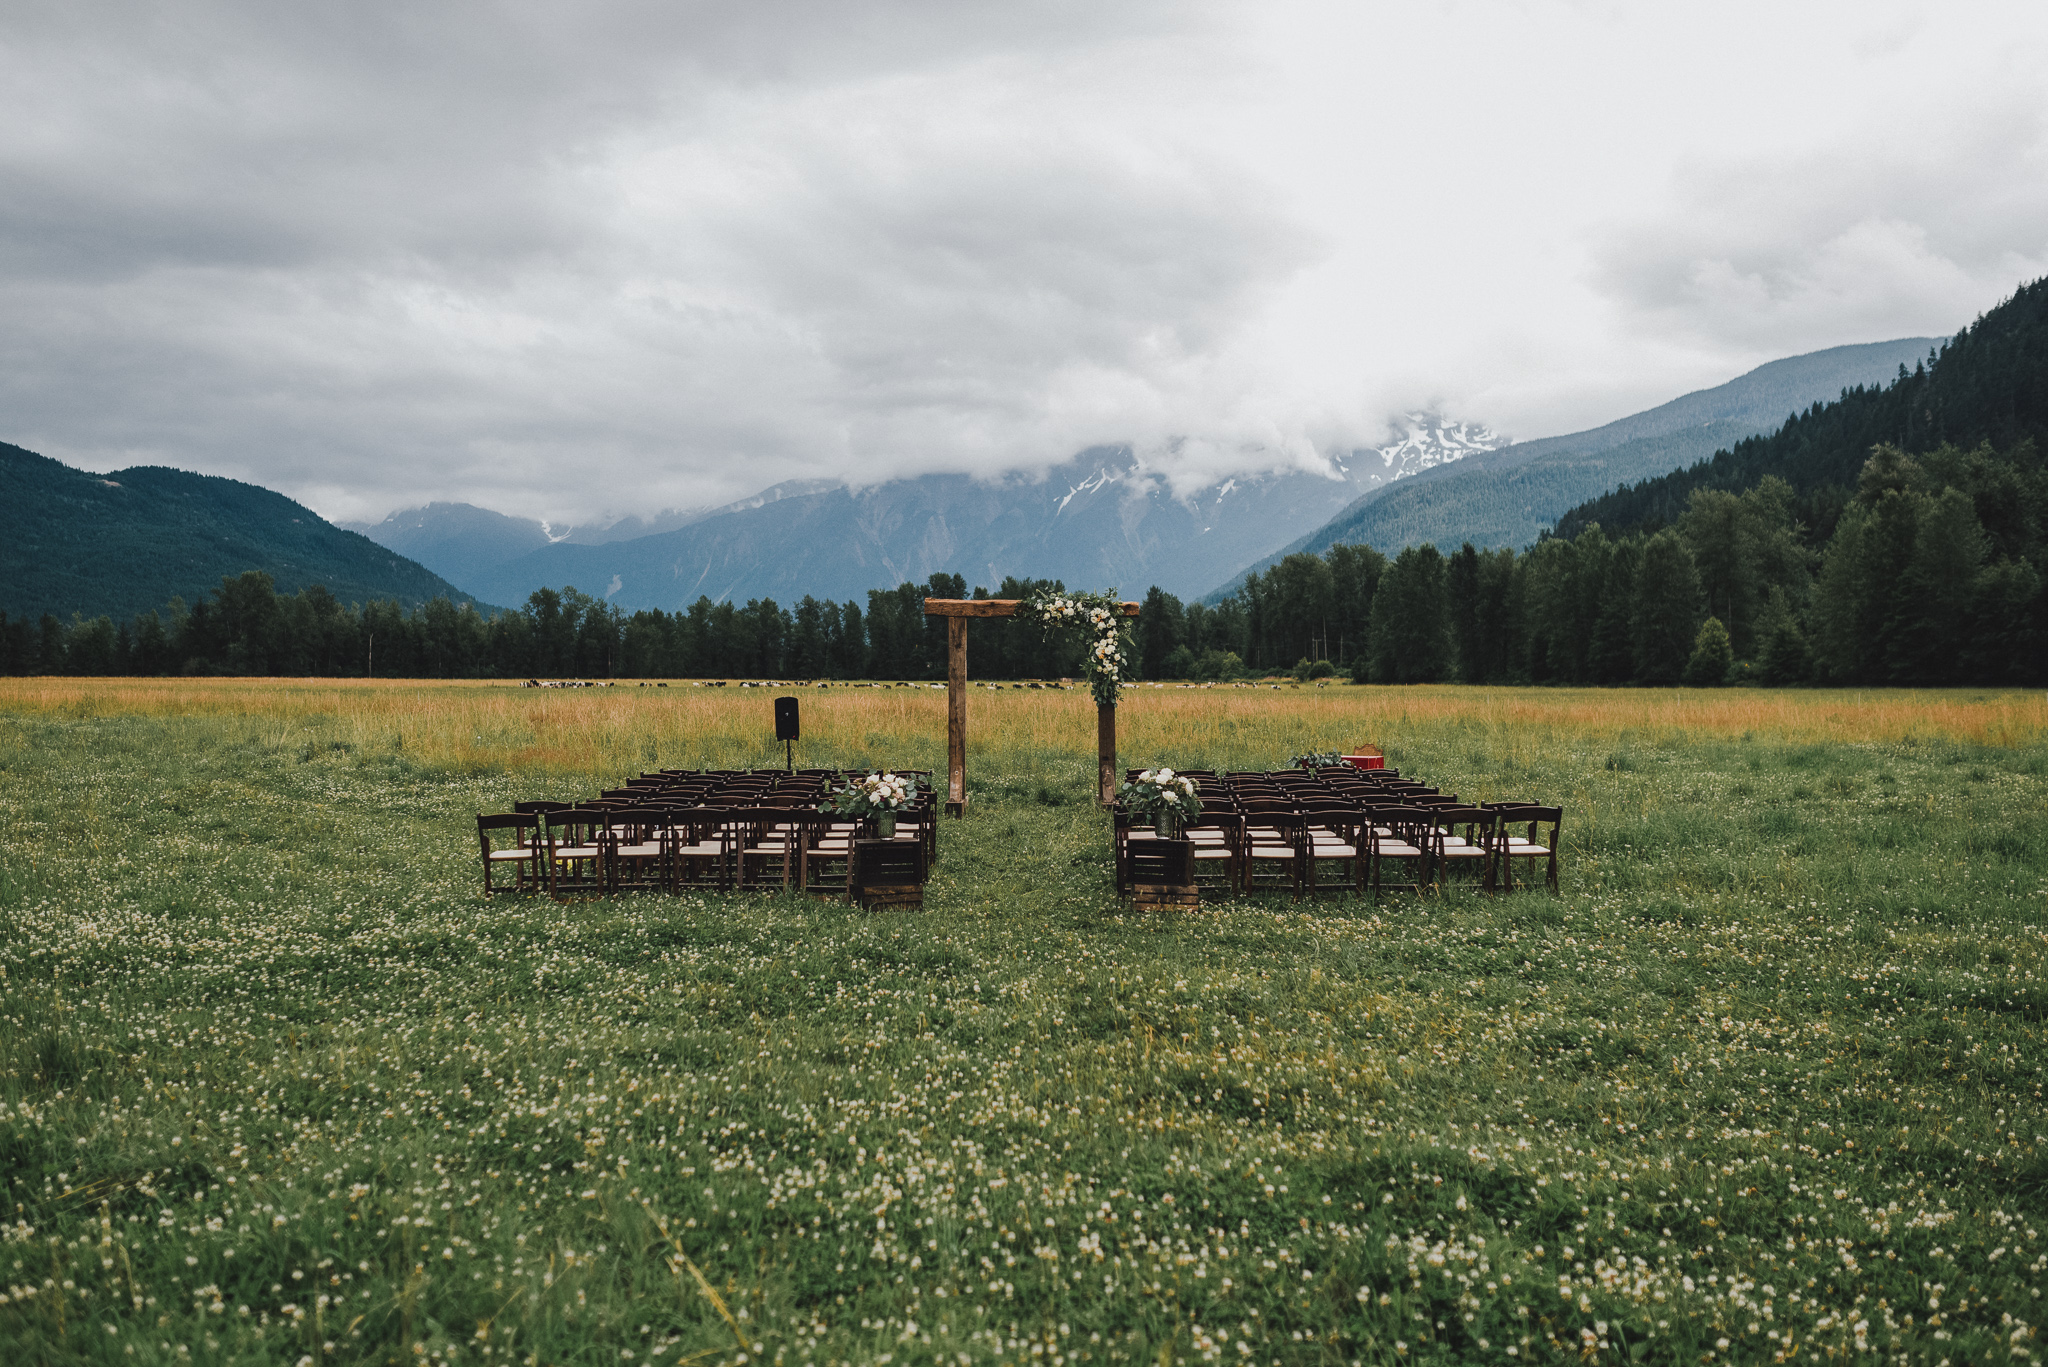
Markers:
<point>1368,757</point>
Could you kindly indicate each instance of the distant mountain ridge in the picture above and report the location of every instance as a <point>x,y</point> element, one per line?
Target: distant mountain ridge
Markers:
<point>1506,497</point>
<point>1989,383</point>
<point>1102,519</point>
<point>125,542</point>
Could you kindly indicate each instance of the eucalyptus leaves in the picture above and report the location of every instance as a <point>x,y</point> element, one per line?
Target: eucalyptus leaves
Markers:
<point>1102,615</point>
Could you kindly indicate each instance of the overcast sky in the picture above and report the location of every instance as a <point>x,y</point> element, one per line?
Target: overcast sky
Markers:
<point>575,259</point>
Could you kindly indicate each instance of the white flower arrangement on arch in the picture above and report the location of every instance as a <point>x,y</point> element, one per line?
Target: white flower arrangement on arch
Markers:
<point>1106,659</point>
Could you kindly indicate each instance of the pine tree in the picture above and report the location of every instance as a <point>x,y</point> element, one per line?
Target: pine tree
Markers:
<point>1610,658</point>
<point>1783,656</point>
<point>1411,639</point>
<point>1666,610</point>
<point>1711,656</point>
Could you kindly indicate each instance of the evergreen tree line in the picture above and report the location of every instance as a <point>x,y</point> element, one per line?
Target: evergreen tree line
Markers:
<point>1932,573</point>
<point>245,627</point>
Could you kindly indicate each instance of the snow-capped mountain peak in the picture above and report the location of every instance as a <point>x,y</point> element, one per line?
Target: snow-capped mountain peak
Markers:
<point>1428,439</point>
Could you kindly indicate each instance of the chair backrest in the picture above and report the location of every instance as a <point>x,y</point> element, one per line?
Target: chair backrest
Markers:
<point>1514,813</point>
<point>1411,825</point>
<point>577,825</point>
<point>540,808</point>
<point>1479,822</point>
<point>1338,817</point>
<point>521,822</point>
<point>648,821</point>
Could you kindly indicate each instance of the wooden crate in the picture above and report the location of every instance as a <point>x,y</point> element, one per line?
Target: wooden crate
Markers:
<point>1159,896</point>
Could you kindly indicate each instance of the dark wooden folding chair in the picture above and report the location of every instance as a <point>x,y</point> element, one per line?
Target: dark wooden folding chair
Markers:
<point>522,857</point>
<point>824,852</point>
<point>1337,850</point>
<point>700,853</point>
<point>1218,840</point>
<point>763,854</point>
<point>1401,838</point>
<point>642,839</point>
<point>1275,849</point>
<point>1465,842</point>
<point>1534,845</point>
<point>578,857</point>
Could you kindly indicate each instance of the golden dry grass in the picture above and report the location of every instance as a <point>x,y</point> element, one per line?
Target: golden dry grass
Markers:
<point>605,732</point>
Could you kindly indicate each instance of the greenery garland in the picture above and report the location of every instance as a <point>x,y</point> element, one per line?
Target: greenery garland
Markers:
<point>1100,614</point>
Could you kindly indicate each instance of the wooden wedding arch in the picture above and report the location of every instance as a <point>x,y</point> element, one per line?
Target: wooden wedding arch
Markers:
<point>958,612</point>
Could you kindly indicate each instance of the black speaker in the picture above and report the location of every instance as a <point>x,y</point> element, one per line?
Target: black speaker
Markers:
<point>785,719</point>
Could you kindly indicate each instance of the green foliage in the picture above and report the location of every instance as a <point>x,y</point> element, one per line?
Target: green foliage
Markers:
<point>1411,638</point>
<point>121,544</point>
<point>1785,658</point>
<point>1667,601</point>
<point>1712,657</point>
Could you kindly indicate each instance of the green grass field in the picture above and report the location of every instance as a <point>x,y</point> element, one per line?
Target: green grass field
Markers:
<point>1765,1084</point>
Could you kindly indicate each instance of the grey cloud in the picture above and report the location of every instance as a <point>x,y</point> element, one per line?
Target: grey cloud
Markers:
<point>605,258</point>
<point>568,260</point>
<point>1907,231</point>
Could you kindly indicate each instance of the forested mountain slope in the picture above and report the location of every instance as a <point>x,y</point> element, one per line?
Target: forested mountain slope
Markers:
<point>125,542</point>
<point>1505,498</point>
<point>1988,385</point>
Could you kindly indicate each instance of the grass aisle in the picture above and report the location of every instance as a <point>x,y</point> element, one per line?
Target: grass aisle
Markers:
<point>1765,1084</point>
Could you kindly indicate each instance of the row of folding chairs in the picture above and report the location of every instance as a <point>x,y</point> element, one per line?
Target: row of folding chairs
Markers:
<point>1377,848</point>
<point>600,851</point>
<point>722,831</point>
<point>1323,831</point>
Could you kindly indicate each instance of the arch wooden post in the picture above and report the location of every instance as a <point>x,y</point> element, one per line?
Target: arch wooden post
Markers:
<point>1105,753</point>
<point>957,612</point>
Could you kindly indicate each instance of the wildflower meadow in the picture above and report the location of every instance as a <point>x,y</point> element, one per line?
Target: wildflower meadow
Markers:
<point>1764,1084</point>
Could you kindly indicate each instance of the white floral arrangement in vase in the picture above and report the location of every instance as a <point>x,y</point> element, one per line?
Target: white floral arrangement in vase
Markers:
<point>880,796</point>
<point>1107,657</point>
<point>1165,798</point>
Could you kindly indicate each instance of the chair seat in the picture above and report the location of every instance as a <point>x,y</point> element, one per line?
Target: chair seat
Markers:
<point>497,855</point>
<point>1394,849</point>
<point>1334,851</point>
<point>1521,847</point>
<point>563,852</point>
